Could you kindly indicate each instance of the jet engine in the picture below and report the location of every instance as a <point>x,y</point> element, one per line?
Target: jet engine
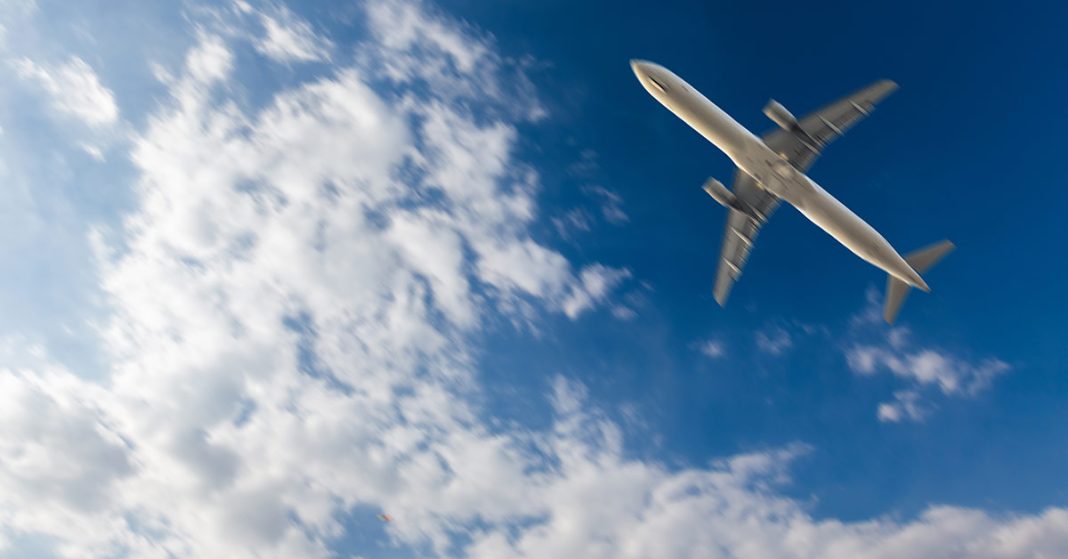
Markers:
<point>719,193</point>
<point>779,115</point>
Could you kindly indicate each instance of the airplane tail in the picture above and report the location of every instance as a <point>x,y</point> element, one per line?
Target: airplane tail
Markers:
<point>921,261</point>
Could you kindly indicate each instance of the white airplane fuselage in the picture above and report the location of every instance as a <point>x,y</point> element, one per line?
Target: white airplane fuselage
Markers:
<point>773,172</point>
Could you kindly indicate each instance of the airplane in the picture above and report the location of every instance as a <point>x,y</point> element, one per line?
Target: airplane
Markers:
<point>773,168</point>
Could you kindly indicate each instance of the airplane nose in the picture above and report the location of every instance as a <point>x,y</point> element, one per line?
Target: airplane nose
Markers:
<point>640,67</point>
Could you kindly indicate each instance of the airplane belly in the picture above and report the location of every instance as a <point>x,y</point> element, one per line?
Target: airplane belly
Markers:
<point>710,121</point>
<point>841,223</point>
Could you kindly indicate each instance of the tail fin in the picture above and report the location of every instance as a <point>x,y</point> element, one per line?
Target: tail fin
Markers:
<point>921,261</point>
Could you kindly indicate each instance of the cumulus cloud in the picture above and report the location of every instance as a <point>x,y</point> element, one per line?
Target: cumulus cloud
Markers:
<point>952,375</point>
<point>416,47</point>
<point>40,414</point>
<point>74,89</point>
<point>922,368</point>
<point>407,30</point>
<point>291,306</point>
<point>906,406</point>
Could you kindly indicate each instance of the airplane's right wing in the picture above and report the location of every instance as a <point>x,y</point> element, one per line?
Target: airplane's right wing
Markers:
<point>802,147</point>
<point>742,229</point>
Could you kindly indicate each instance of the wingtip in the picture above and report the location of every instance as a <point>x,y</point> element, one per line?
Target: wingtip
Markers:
<point>720,295</point>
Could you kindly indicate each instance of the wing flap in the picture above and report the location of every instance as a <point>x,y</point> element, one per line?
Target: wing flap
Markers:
<point>801,147</point>
<point>833,120</point>
<point>741,231</point>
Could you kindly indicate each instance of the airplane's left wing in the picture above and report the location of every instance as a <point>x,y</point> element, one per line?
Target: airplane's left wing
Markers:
<point>802,146</point>
<point>741,232</point>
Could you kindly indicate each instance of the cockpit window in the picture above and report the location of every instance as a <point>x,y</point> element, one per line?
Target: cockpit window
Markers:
<point>658,85</point>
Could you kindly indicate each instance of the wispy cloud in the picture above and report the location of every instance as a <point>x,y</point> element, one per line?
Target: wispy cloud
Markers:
<point>611,204</point>
<point>287,38</point>
<point>74,88</point>
<point>774,340</point>
<point>572,221</point>
<point>951,374</point>
<point>921,367</point>
<point>712,348</point>
<point>597,281</point>
<point>906,406</point>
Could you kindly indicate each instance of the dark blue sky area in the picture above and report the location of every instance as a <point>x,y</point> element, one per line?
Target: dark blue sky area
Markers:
<point>969,148</point>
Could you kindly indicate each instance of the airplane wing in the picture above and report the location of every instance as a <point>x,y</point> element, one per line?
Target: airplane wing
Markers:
<point>742,229</point>
<point>800,147</point>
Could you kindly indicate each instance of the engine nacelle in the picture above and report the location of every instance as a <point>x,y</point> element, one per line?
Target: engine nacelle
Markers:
<point>779,115</point>
<point>719,193</point>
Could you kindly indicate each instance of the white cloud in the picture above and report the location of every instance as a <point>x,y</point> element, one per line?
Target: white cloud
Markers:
<point>74,88</point>
<point>409,31</point>
<point>624,312</point>
<point>93,151</point>
<point>594,503</point>
<point>39,416</point>
<point>712,348</point>
<point>596,282</point>
<point>774,340</point>
<point>300,226</point>
<point>611,204</point>
<point>905,406</point>
<point>923,368</point>
<point>287,38</point>
<point>417,46</point>
<point>60,460</point>
<point>572,221</point>
<point>952,375</point>
<point>209,62</point>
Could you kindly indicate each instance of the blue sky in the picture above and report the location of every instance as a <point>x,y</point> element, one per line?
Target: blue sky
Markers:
<point>274,269</point>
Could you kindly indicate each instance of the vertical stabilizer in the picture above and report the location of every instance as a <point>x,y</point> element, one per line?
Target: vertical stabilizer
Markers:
<point>921,261</point>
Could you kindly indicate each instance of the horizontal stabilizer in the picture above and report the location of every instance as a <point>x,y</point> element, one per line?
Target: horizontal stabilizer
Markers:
<point>921,261</point>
